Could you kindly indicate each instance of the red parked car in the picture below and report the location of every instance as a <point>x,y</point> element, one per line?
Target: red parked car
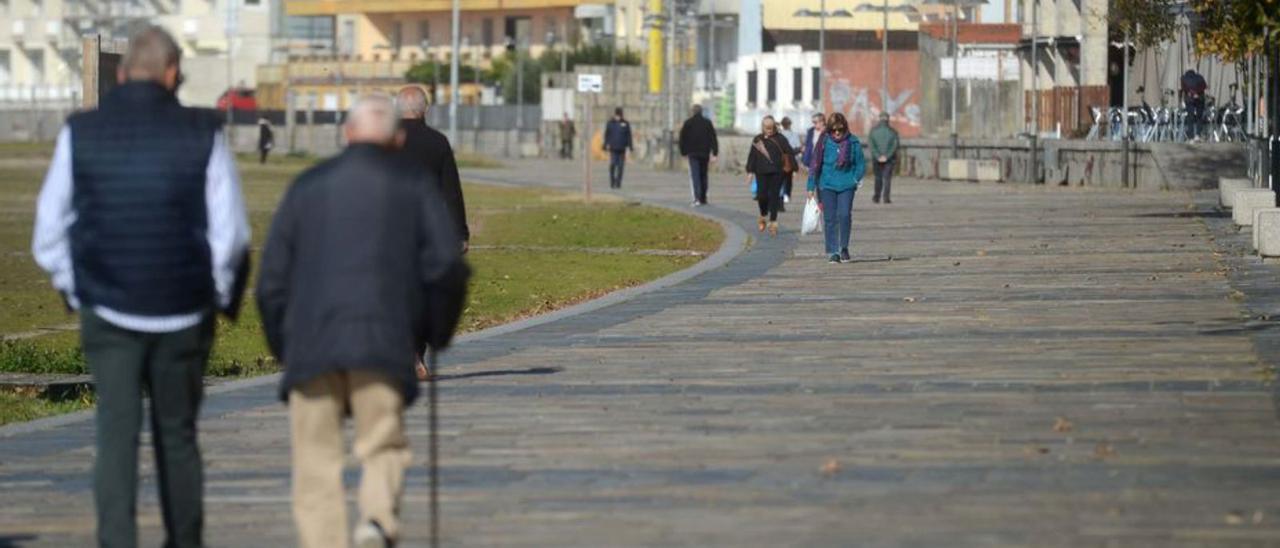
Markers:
<point>239,99</point>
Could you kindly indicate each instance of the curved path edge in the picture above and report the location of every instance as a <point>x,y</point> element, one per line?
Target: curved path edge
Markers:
<point>734,244</point>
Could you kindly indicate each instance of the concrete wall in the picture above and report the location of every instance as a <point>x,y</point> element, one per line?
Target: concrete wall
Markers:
<point>1154,166</point>
<point>31,125</point>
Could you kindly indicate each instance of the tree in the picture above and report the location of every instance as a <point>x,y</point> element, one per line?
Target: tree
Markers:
<point>1235,29</point>
<point>1148,22</point>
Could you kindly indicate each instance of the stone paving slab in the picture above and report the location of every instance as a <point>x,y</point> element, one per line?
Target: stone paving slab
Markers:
<point>1035,367</point>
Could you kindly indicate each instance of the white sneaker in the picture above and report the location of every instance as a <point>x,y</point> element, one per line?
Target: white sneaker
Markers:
<point>369,535</point>
<point>786,199</point>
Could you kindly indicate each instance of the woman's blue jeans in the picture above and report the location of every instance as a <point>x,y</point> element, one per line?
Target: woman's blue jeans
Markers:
<point>837,218</point>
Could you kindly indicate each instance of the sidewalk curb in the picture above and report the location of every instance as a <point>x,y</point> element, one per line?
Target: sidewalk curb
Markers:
<point>735,242</point>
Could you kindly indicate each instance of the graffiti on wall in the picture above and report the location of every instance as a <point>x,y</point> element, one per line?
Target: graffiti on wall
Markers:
<point>856,105</point>
<point>854,83</point>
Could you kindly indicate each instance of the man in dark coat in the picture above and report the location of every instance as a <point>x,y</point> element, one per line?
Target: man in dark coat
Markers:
<point>266,139</point>
<point>142,227</point>
<point>430,149</point>
<point>617,141</point>
<point>361,272</point>
<point>698,143</point>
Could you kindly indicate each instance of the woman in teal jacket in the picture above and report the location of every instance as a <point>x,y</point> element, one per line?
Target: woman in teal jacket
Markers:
<point>835,173</point>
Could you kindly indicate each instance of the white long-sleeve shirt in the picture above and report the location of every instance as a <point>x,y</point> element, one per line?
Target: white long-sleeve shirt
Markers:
<point>227,231</point>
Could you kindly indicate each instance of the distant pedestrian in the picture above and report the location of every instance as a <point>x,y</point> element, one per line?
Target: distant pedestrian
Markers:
<point>698,143</point>
<point>360,273</point>
<point>884,148</point>
<point>617,141</point>
<point>567,134</point>
<point>266,139</point>
<point>768,162</point>
<point>835,173</point>
<point>794,140</point>
<point>429,150</point>
<point>142,226</point>
<point>811,137</point>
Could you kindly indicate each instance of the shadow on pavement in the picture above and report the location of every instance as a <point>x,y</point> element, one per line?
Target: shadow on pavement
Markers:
<point>501,373</point>
<point>7,541</point>
<point>1213,214</point>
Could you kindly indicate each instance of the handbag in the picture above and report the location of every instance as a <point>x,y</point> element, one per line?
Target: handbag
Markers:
<point>755,188</point>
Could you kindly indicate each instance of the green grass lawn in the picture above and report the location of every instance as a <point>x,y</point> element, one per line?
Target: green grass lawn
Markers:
<point>511,281</point>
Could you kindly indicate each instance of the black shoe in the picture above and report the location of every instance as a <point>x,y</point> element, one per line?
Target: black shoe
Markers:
<point>834,258</point>
<point>888,201</point>
<point>875,199</point>
<point>844,255</point>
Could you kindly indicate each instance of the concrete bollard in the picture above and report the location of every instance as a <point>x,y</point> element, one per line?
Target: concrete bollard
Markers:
<point>1266,233</point>
<point>1227,187</point>
<point>1248,200</point>
<point>1258,215</point>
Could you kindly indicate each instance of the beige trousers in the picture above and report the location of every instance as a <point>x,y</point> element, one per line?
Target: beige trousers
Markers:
<point>316,412</point>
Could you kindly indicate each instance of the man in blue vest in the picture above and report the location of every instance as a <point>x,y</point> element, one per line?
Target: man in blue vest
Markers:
<point>142,227</point>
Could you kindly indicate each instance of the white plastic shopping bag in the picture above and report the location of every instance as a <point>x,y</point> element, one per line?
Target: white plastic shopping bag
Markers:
<point>812,221</point>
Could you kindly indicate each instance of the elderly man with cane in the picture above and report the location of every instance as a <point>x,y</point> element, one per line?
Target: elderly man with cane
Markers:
<point>143,228</point>
<point>361,272</point>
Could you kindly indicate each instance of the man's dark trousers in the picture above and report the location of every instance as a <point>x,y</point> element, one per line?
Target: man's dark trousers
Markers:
<point>698,178</point>
<point>171,367</point>
<point>884,178</point>
<point>617,160</point>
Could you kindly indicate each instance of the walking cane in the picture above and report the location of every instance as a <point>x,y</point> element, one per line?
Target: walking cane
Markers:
<point>433,452</point>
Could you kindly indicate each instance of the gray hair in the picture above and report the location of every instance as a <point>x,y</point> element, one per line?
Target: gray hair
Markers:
<point>412,102</point>
<point>151,51</point>
<point>372,119</point>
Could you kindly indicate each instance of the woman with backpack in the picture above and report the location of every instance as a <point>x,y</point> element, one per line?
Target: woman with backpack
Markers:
<point>769,161</point>
<point>835,172</point>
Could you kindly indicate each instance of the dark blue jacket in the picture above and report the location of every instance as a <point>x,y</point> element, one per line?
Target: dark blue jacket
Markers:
<point>807,147</point>
<point>617,135</point>
<point>362,270</point>
<point>138,244</point>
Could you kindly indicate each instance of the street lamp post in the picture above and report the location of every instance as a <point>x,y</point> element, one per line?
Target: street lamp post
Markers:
<point>955,63</point>
<point>822,16</point>
<point>453,71</point>
<point>884,9</point>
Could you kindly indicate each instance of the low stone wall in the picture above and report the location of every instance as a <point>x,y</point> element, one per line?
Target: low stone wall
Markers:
<point>1155,166</point>
<point>323,140</point>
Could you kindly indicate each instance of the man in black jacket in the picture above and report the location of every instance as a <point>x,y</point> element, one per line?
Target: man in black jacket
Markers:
<point>142,227</point>
<point>430,150</point>
<point>698,143</point>
<point>617,141</point>
<point>361,272</point>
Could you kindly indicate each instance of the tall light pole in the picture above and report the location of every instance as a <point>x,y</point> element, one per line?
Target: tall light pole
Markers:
<point>822,16</point>
<point>1035,90</point>
<point>453,71</point>
<point>884,9</point>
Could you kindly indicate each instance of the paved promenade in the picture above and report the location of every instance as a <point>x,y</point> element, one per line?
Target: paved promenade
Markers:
<point>1005,366</point>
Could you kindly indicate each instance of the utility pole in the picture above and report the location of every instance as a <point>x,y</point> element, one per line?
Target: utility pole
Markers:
<point>1124,110</point>
<point>453,72</point>
<point>955,73</point>
<point>1035,91</point>
<point>671,92</point>
<point>822,52</point>
<point>884,60</point>
<point>711,48</point>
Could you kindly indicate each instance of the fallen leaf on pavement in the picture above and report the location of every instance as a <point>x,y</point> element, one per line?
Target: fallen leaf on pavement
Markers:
<point>1234,517</point>
<point>1103,450</point>
<point>830,468</point>
<point>1062,425</point>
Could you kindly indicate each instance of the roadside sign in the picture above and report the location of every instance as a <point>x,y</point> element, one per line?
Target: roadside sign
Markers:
<point>590,83</point>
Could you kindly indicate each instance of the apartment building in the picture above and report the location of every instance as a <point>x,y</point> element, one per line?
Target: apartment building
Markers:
<point>1070,67</point>
<point>41,41</point>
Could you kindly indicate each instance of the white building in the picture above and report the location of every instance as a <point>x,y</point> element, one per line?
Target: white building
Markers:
<point>41,44</point>
<point>780,83</point>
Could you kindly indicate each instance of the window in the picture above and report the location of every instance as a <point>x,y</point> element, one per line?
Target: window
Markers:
<point>252,2</point>
<point>486,32</point>
<point>551,33</point>
<point>751,86</point>
<point>36,56</point>
<point>771,93</point>
<point>797,85</point>
<point>5,75</point>
<point>397,36</point>
<point>424,30</point>
<point>348,39</point>
<point>817,84</point>
<point>4,7</point>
